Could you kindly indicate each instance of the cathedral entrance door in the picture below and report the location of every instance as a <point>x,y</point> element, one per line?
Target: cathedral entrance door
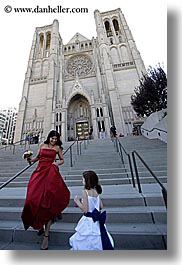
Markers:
<point>82,130</point>
<point>78,118</point>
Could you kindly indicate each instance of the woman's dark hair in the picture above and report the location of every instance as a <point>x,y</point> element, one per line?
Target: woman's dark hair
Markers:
<point>92,181</point>
<point>52,134</point>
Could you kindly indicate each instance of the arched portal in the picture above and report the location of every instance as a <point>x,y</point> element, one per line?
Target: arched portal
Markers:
<point>78,118</point>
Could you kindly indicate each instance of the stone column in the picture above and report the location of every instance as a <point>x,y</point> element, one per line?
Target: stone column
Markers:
<point>63,125</point>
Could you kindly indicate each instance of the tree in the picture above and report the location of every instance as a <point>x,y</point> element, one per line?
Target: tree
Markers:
<point>151,94</point>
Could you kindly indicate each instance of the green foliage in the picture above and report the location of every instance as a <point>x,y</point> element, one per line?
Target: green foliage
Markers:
<point>151,94</point>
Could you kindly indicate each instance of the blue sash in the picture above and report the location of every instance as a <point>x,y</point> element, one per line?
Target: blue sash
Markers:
<point>101,217</point>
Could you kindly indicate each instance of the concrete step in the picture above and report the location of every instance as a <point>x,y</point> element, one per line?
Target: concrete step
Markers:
<point>139,214</point>
<point>118,180</point>
<point>144,177</point>
<point>124,200</point>
<point>151,193</point>
<point>136,221</point>
<point>126,236</point>
<point>29,246</point>
<point>70,175</point>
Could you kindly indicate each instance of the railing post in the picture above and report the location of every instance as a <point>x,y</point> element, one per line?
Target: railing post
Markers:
<point>71,160</point>
<point>80,149</point>
<point>121,153</point>
<point>77,147</point>
<point>164,193</point>
<point>136,172</point>
<point>131,170</point>
<point>117,149</point>
<point>13,149</point>
<point>85,144</point>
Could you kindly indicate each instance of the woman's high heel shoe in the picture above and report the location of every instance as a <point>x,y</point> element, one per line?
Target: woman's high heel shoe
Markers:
<point>44,245</point>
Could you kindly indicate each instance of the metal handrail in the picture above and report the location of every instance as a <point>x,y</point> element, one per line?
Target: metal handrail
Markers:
<point>10,145</point>
<point>27,167</point>
<point>20,143</point>
<point>119,150</point>
<point>164,191</point>
<point>14,177</point>
<point>155,128</point>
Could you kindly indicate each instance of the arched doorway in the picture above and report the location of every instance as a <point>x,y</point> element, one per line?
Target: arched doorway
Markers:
<point>78,118</point>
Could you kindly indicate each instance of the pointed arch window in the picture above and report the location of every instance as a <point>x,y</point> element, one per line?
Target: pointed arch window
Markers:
<point>48,40</point>
<point>41,42</point>
<point>48,43</point>
<point>116,26</point>
<point>101,112</point>
<point>103,126</point>
<point>97,112</point>
<point>99,126</point>
<point>108,28</point>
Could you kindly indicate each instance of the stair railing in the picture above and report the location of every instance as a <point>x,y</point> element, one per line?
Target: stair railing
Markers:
<point>69,149</point>
<point>21,143</point>
<point>15,176</point>
<point>155,128</point>
<point>13,145</point>
<point>158,130</point>
<point>164,191</point>
<point>121,150</point>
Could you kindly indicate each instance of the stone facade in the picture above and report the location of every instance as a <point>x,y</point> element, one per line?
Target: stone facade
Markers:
<point>83,83</point>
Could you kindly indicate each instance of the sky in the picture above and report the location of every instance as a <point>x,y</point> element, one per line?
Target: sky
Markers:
<point>147,21</point>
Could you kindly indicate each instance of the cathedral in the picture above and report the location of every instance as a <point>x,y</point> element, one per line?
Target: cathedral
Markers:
<point>84,84</point>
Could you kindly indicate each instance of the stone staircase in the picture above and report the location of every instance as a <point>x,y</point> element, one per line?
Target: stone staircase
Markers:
<point>135,220</point>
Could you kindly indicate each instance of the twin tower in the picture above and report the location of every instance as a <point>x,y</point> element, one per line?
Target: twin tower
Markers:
<point>85,83</point>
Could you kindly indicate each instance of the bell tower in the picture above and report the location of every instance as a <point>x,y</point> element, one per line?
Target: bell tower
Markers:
<point>122,66</point>
<point>41,85</point>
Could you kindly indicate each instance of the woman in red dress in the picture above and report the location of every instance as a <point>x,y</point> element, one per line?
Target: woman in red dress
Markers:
<point>47,194</point>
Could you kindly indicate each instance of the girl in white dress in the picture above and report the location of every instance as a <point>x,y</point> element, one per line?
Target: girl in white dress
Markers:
<point>91,232</point>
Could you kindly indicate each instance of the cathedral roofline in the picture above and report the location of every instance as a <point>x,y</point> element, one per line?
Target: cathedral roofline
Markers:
<point>111,11</point>
<point>55,21</point>
<point>44,27</point>
<point>77,37</point>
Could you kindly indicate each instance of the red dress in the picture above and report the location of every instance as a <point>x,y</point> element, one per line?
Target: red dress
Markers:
<point>47,194</point>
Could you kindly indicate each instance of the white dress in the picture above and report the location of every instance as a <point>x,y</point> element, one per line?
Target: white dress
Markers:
<point>87,235</point>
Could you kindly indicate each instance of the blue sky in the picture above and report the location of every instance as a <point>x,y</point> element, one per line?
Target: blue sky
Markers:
<point>146,19</point>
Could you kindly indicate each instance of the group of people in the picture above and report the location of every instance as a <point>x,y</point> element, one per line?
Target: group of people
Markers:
<point>32,138</point>
<point>48,195</point>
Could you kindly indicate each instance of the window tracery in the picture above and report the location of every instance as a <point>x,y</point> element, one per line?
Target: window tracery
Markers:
<point>79,65</point>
